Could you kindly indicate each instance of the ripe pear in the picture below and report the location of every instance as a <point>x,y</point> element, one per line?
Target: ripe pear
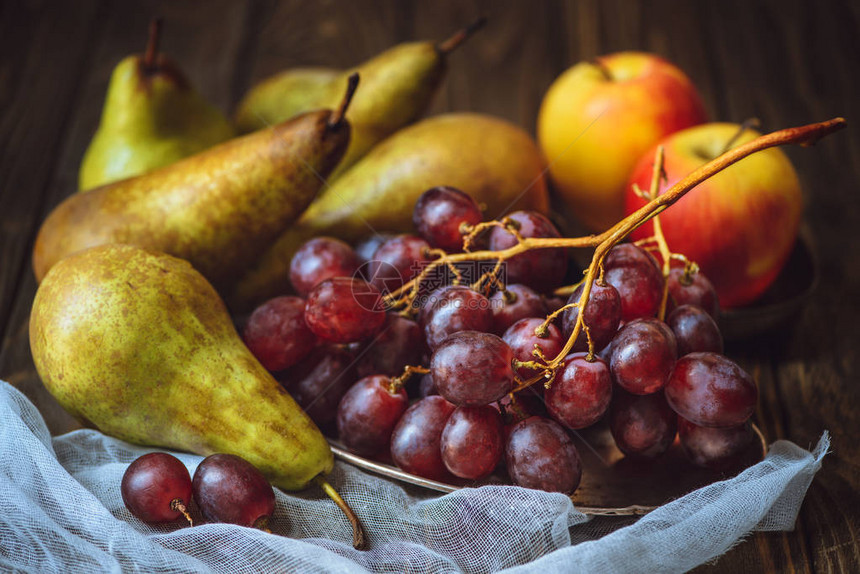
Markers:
<point>495,162</point>
<point>219,209</point>
<point>398,86</point>
<point>139,345</point>
<point>152,117</point>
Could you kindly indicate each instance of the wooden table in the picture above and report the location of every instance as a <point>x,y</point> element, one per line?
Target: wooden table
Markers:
<point>787,63</point>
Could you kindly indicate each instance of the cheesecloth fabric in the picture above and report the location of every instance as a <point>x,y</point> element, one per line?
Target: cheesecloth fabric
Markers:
<point>61,511</point>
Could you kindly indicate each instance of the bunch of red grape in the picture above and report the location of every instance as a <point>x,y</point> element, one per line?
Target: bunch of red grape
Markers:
<point>342,356</point>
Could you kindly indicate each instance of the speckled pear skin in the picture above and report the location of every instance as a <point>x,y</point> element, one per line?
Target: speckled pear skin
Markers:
<point>492,160</point>
<point>218,209</point>
<point>139,345</point>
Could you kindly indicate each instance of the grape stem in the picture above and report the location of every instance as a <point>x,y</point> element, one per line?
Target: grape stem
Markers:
<point>359,539</point>
<point>409,370</point>
<point>179,506</point>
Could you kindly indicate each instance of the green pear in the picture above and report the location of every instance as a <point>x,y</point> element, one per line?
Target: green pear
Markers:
<point>219,209</point>
<point>152,117</point>
<point>397,87</point>
<point>495,162</point>
<point>139,345</point>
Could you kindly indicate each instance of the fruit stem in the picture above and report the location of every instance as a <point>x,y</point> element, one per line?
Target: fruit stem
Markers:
<point>604,71</point>
<point>447,46</point>
<point>179,506</point>
<point>398,382</point>
<point>749,123</point>
<point>151,54</point>
<point>337,116</point>
<point>359,540</point>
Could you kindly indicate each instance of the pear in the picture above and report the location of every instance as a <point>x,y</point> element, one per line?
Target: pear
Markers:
<point>218,209</point>
<point>398,86</point>
<point>152,117</point>
<point>495,162</point>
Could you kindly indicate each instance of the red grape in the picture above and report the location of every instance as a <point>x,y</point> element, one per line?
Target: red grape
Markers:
<point>711,390</point>
<point>368,412</point>
<point>521,338</point>
<point>318,382</point>
<point>540,454</point>
<point>156,487</point>
<point>230,489</point>
<point>602,316</point>
<point>400,343</point>
<point>452,309</point>
<point>438,214</point>
<point>472,441</point>
<point>514,303</point>
<point>693,289</point>
<point>472,368</point>
<point>368,246</point>
<point>541,269</point>
<point>581,391</point>
<point>319,259</point>
<point>416,439</point>
<point>695,330</point>
<point>396,261</point>
<point>427,387</point>
<point>643,355</point>
<point>344,310</point>
<point>277,335</point>
<point>715,448</point>
<point>643,426</point>
<point>636,276</point>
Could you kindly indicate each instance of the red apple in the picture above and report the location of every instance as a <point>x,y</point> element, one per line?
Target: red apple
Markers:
<point>598,118</point>
<point>739,225</point>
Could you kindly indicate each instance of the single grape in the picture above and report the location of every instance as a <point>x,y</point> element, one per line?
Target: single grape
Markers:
<point>320,380</point>
<point>643,426</point>
<point>472,441</point>
<point>368,412</point>
<point>472,368</point>
<point>692,289</point>
<point>542,269</point>
<point>452,309</point>
<point>521,338</point>
<point>427,387</point>
<point>581,391</point>
<point>344,310</point>
<point>368,246</point>
<point>399,343</point>
<point>230,489</point>
<point>319,259</point>
<point>643,355</point>
<point>711,390</point>
<point>416,439</point>
<point>602,316</point>
<point>156,487</point>
<point>715,448</point>
<point>636,276</point>
<point>396,261</point>
<point>514,303</point>
<point>277,335</point>
<point>695,330</point>
<point>438,214</point>
<point>541,455</point>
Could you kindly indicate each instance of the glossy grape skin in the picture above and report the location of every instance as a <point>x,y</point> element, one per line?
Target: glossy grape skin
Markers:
<point>521,338</point>
<point>396,261</point>
<point>438,214</point>
<point>514,303</point>
<point>152,483</point>
<point>711,390</point>
<point>400,342</point>
<point>695,330</point>
<point>416,439</point>
<point>715,448</point>
<point>636,276</point>
<point>695,289</point>
<point>318,382</point>
<point>602,315</point>
<point>452,309</point>
<point>643,426</point>
<point>541,455</point>
<point>543,269</point>
<point>368,246</point>
<point>277,335</point>
<point>427,387</point>
<point>472,368</point>
<point>367,414</point>
<point>471,442</point>
<point>344,310</point>
<point>319,259</point>
<point>230,489</point>
<point>643,355</point>
<point>580,394</point>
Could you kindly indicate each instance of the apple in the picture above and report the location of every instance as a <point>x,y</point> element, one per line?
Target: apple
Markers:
<point>598,118</point>
<point>741,224</point>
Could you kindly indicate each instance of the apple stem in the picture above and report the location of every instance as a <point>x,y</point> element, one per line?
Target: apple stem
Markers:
<point>449,45</point>
<point>151,54</point>
<point>607,75</point>
<point>338,115</point>
<point>749,123</point>
<point>359,539</point>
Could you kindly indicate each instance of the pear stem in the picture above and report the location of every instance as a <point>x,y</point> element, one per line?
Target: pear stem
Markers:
<point>152,43</point>
<point>359,540</point>
<point>337,117</point>
<point>447,46</point>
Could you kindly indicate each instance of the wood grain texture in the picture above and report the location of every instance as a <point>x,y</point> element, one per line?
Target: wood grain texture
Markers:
<point>785,62</point>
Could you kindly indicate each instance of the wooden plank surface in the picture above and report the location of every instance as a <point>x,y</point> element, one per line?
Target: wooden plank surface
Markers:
<point>786,63</point>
